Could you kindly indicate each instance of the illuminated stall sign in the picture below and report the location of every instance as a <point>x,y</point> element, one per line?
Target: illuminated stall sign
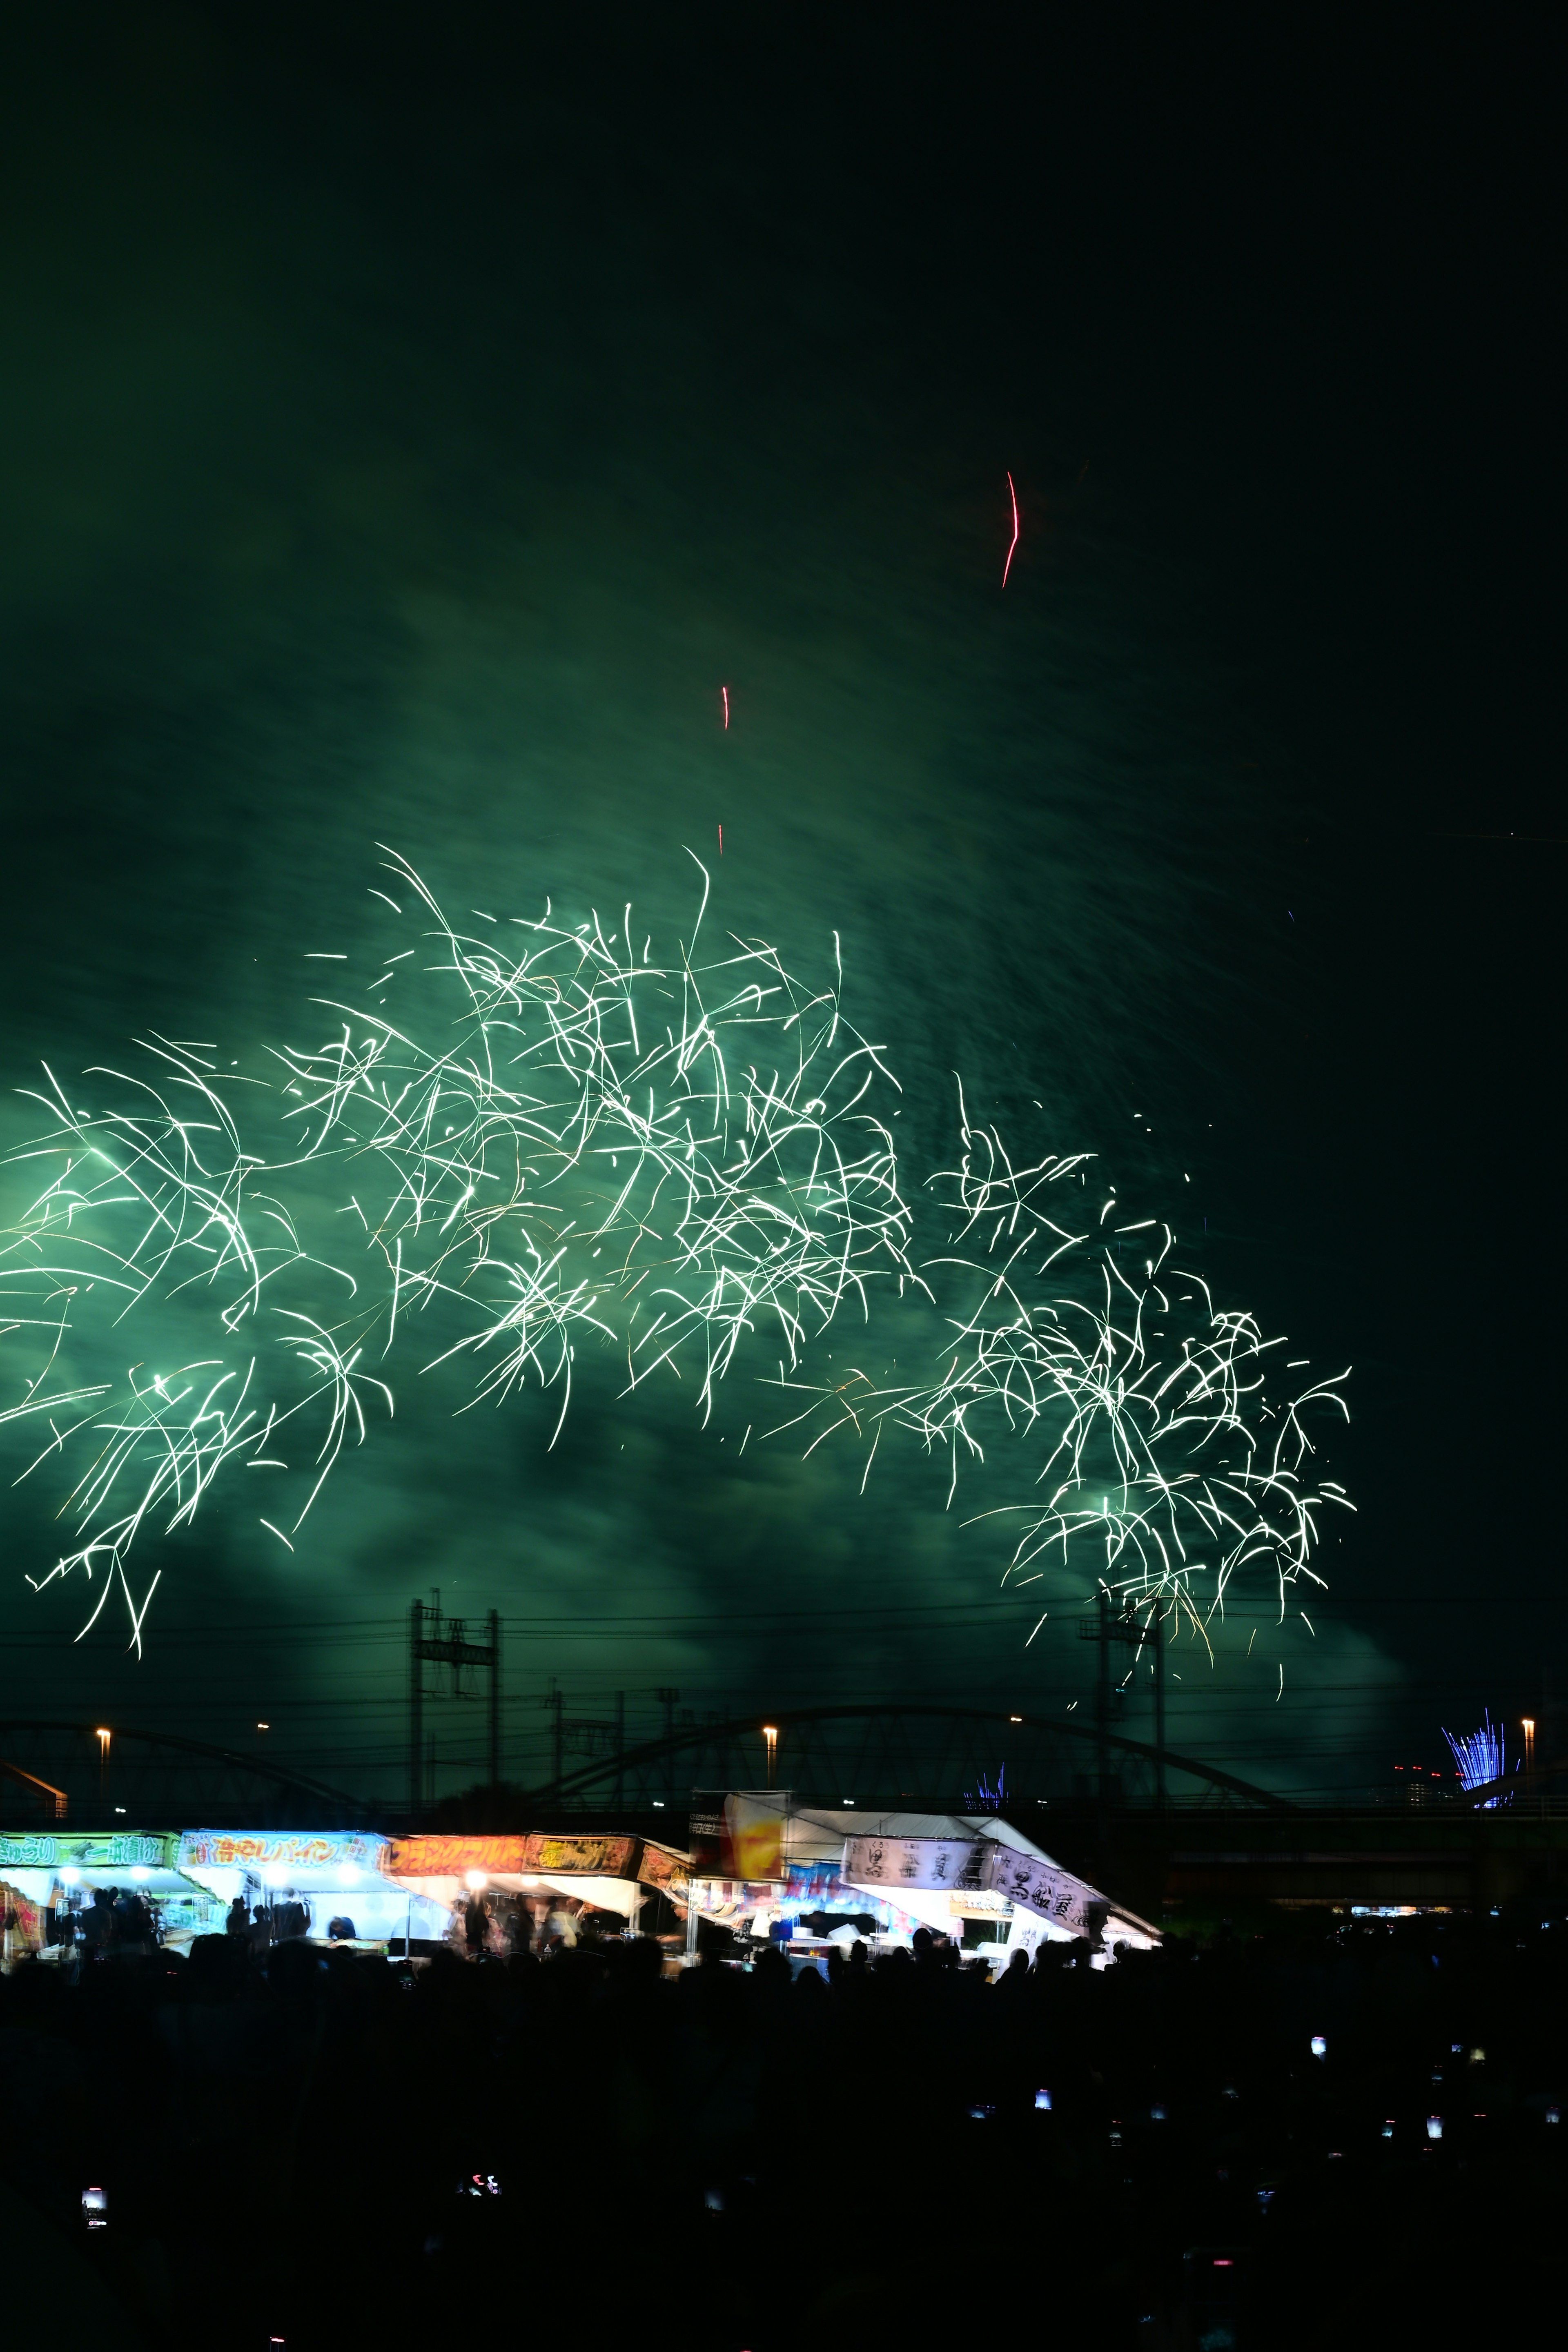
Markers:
<point>1033,1884</point>
<point>665,1871</point>
<point>961,1867</point>
<point>261,1849</point>
<point>945,1865</point>
<point>510,1857</point>
<point>111,1850</point>
<point>741,1840</point>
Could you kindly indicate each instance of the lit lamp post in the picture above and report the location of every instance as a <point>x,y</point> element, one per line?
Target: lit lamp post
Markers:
<point>103,1739</point>
<point>1527,1724</point>
<point>770,1736</point>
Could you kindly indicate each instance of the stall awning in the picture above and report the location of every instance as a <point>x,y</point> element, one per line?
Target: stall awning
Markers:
<point>901,1865</point>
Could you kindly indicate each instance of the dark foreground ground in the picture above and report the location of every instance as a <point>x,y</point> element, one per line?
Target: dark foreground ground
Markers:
<point>321,2152</point>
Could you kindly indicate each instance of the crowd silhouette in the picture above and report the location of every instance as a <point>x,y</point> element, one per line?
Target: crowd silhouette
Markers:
<point>1309,2135</point>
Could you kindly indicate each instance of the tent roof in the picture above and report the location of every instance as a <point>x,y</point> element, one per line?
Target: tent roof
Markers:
<point>817,1834</point>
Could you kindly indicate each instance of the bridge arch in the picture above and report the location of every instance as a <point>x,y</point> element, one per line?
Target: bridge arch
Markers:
<point>737,1749</point>
<point>155,1779</point>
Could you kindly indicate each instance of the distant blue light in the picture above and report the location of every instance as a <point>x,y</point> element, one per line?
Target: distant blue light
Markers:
<point>1479,1756</point>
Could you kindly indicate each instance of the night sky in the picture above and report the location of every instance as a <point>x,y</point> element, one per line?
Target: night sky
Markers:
<point>409,427</point>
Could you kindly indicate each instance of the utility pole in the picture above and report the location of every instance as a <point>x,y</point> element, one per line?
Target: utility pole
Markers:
<point>1102,1714</point>
<point>415,1712</point>
<point>495,1699</point>
<point>669,1699</point>
<point>620,1750</point>
<point>1157,1634</point>
<point>1100,1632</point>
<point>1138,1633</point>
<point>556,1703</point>
<point>433,1640</point>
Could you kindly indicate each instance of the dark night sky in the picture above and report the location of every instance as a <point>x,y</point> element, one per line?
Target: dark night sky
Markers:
<point>408,427</point>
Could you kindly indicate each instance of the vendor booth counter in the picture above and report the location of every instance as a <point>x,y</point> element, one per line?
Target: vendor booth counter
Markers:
<point>305,1884</point>
<point>832,1876</point>
<point>604,1875</point>
<point>52,1884</point>
<point>317,1883</point>
<point>843,1874</point>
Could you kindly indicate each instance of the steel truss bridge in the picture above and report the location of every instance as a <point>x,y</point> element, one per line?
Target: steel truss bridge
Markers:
<point>930,1758</point>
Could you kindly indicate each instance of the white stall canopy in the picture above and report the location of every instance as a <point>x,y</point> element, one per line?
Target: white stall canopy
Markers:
<point>922,1861</point>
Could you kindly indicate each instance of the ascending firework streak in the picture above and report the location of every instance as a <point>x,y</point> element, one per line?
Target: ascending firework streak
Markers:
<point>1479,1756</point>
<point>1162,1457</point>
<point>666,1157</point>
<point>588,1153</point>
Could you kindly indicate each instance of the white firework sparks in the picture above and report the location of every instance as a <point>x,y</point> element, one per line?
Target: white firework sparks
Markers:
<point>668,1156</point>
<point>1165,1465</point>
<point>662,1158</point>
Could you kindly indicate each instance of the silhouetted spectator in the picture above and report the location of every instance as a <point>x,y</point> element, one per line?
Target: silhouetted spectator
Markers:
<point>99,1924</point>
<point>1014,1980</point>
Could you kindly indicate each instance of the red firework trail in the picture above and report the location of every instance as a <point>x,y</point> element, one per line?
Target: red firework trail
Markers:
<point>725,692</point>
<point>1012,494</point>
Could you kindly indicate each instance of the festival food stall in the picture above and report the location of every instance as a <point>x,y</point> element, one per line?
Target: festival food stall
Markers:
<point>811,1877</point>
<point>587,1874</point>
<point>762,1869</point>
<point>947,1866</point>
<point>312,1882</point>
<point>48,1880</point>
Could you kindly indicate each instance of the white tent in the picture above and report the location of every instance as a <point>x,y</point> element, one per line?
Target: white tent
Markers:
<point>935,1867</point>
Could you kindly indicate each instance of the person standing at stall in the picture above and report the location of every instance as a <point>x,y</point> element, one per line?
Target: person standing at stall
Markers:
<point>98,1925</point>
<point>560,1927</point>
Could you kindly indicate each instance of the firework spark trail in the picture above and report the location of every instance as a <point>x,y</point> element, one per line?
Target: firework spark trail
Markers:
<point>1013,549</point>
<point>1127,1397</point>
<point>666,1157</point>
<point>587,1153</point>
<point>1480,1759</point>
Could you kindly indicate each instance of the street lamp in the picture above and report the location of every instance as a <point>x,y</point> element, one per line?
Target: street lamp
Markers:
<point>771,1734</point>
<point>1528,1725</point>
<point>103,1739</point>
